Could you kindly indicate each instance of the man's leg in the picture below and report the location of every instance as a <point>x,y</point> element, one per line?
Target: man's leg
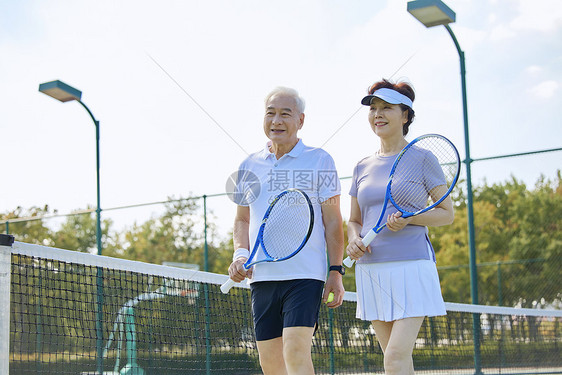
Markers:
<point>286,350</point>
<point>297,345</point>
<point>300,317</point>
<point>271,356</point>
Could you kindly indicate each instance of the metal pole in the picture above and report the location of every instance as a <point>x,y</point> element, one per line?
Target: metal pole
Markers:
<point>6,242</point>
<point>98,206</point>
<point>500,294</point>
<point>206,249</point>
<point>99,278</point>
<point>470,211</point>
<point>331,341</point>
<point>99,271</point>
<point>206,291</point>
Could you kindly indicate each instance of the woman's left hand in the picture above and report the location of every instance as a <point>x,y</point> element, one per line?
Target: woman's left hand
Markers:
<point>395,222</point>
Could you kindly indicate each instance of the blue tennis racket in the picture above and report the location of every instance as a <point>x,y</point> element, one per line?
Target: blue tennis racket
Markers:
<point>422,176</point>
<point>285,229</point>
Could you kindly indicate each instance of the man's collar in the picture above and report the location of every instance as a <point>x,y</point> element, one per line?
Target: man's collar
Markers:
<point>295,151</point>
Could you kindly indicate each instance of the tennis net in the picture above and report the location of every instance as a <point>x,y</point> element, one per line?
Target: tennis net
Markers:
<point>77,313</point>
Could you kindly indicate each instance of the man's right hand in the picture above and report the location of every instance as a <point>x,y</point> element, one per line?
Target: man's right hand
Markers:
<point>237,272</point>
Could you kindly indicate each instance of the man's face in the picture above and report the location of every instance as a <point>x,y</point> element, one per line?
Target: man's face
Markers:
<point>282,120</point>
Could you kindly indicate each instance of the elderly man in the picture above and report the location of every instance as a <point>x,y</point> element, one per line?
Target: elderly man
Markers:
<point>286,296</point>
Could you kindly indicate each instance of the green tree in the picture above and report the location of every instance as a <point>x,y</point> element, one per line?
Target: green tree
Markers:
<point>512,225</point>
<point>538,217</point>
<point>78,233</point>
<point>31,230</point>
<point>177,236</point>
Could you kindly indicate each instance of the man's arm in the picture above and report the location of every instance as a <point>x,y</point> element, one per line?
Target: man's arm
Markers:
<point>241,240</point>
<point>331,217</point>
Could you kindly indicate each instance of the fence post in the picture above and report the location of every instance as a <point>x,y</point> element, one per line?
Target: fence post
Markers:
<point>6,242</point>
<point>331,341</point>
<point>500,294</point>
<point>206,291</point>
<point>206,249</point>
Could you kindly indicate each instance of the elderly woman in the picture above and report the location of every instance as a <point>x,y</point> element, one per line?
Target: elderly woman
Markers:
<point>396,276</point>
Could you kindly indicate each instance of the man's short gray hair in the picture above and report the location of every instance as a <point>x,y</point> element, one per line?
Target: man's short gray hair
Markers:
<point>280,90</point>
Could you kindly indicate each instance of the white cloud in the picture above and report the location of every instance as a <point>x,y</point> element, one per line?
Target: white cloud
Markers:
<point>545,90</point>
<point>534,69</point>
<point>538,15</point>
<point>502,32</point>
<point>544,16</point>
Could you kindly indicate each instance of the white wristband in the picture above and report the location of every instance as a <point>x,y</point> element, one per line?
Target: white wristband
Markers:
<point>241,253</point>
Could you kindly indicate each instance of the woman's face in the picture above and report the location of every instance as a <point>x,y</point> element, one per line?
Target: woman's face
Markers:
<point>387,119</point>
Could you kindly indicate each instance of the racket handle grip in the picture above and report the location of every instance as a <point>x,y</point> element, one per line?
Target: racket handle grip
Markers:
<point>369,237</point>
<point>348,262</point>
<point>225,288</point>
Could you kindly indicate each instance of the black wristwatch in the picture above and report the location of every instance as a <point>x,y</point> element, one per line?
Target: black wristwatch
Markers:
<point>340,269</point>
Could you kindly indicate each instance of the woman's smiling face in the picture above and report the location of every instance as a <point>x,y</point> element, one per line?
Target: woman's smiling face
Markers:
<point>386,118</point>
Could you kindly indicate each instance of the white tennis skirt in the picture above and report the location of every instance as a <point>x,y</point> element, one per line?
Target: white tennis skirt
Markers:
<point>396,290</point>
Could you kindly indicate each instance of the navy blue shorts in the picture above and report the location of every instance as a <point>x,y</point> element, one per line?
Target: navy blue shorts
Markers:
<point>280,304</point>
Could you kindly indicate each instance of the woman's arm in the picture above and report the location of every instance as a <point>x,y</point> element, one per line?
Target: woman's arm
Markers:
<point>355,248</point>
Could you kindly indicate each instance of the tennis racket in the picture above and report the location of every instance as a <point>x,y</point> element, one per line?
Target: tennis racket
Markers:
<point>422,176</point>
<point>285,229</point>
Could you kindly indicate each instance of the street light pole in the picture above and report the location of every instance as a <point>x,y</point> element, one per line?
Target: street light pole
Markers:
<point>98,207</point>
<point>64,93</point>
<point>470,213</point>
<point>433,13</point>
<point>468,160</point>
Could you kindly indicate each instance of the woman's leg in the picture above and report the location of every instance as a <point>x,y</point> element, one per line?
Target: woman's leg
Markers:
<point>382,330</point>
<point>397,341</point>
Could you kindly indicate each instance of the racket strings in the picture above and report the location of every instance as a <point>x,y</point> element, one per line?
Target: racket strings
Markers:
<point>429,163</point>
<point>287,226</point>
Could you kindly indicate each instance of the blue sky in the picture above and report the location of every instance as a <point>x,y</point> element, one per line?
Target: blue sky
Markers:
<point>156,142</point>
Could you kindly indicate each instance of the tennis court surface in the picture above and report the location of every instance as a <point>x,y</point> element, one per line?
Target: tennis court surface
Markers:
<point>77,313</point>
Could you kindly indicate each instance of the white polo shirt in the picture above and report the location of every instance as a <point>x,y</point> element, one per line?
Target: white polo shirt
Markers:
<point>311,170</point>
